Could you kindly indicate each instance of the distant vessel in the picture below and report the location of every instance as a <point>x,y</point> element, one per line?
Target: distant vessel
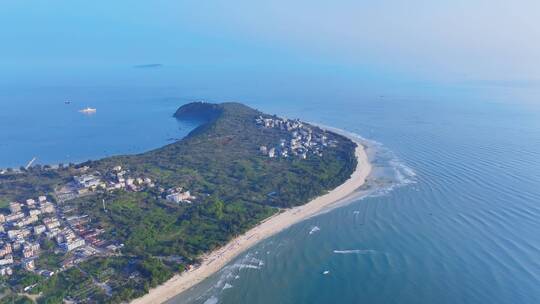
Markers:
<point>67,102</point>
<point>326,272</point>
<point>88,111</point>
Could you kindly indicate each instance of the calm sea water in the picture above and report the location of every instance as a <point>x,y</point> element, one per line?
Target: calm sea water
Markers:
<point>454,218</point>
<point>451,214</point>
<point>37,122</point>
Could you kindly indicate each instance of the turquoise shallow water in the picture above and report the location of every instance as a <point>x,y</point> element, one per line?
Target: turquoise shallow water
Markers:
<point>452,211</point>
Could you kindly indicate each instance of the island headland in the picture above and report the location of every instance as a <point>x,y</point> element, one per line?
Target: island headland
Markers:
<point>151,225</point>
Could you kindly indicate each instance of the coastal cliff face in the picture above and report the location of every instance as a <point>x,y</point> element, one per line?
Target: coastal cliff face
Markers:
<point>233,171</point>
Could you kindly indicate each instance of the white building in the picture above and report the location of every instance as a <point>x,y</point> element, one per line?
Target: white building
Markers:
<point>6,271</point>
<point>39,229</point>
<point>34,212</point>
<point>21,233</point>
<point>14,216</point>
<point>51,223</point>
<point>47,207</point>
<point>87,181</point>
<point>8,259</point>
<point>179,197</point>
<point>6,249</point>
<point>14,207</point>
<point>73,245</point>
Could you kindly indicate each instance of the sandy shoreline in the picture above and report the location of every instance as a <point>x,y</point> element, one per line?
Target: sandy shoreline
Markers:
<point>217,259</point>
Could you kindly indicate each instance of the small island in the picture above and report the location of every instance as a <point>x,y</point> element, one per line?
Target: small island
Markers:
<point>111,230</point>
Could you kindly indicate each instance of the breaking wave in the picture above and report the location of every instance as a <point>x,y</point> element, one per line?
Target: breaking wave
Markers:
<point>388,173</point>
<point>225,277</point>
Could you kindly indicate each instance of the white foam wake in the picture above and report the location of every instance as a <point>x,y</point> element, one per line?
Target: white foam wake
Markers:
<point>314,229</point>
<point>356,251</point>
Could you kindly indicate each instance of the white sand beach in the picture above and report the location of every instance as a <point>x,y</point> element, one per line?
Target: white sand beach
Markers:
<point>217,259</point>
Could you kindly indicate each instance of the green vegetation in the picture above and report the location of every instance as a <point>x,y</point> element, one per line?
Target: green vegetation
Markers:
<point>104,280</point>
<point>37,180</point>
<point>220,158</point>
<point>4,204</point>
<point>235,186</point>
<point>15,299</point>
<point>148,225</point>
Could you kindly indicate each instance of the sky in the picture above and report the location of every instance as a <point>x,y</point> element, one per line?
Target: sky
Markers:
<point>482,41</point>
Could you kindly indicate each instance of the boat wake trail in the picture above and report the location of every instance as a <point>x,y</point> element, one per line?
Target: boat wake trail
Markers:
<point>314,229</point>
<point>356,251</point>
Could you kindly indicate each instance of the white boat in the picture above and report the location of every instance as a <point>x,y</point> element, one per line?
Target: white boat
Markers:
<point>88,110</point>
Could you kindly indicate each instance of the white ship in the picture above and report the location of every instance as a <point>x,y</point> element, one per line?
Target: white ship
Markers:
<point>88,110</point>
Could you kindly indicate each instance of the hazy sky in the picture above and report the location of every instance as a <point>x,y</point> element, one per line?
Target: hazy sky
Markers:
<point>458,40</point>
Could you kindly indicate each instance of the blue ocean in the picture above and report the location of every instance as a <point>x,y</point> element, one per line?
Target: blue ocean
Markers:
<point>450,214</point>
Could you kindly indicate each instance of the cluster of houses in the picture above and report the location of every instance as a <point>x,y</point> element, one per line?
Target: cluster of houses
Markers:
<point>80,223</point>
<point>119,179</point>
<point>113,180</point>
<point>28,222</point>
<point>87,183</point>
<point>22,229</point>
<point>301,141</point>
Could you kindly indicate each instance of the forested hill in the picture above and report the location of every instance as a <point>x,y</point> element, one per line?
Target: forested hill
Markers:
<point>222,157</point>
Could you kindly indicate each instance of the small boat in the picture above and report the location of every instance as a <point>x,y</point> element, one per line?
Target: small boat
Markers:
<point>88,111</point>
<point>326,272</point>
<point>67,102</point>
